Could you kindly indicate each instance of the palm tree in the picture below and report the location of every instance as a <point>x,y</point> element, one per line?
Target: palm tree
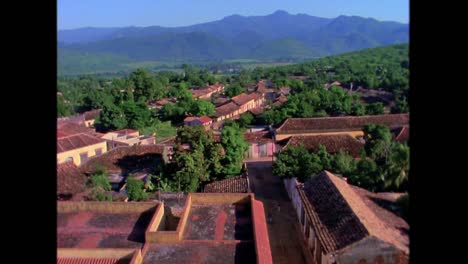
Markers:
<point>398,165</point>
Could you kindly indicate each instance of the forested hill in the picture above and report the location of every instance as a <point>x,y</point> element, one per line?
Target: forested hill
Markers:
<point>275,37</point>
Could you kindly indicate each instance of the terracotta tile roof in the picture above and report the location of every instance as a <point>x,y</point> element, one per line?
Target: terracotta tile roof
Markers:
<point>190,118</point>
<point>76,141</point>
<point>333,143</point>
<point>402,134</point>
<point>284,90</point>
<point>68,128</point>
<point>341,123</point>
<point>244,98</point>
<point>256,110</point>
<point>90,115</point>
<point>70,180</point>
<point>226,109</point>
<point>62,260</point>
<point>237,184</point>
<point>125,131</point>
<point>205,119</point>
<point>258,137</point>
<point>125,158</point>
<point>340,216</point>
<point>220,101</point>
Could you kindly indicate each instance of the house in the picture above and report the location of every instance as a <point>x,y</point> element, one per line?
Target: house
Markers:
<point>70,180</point>
<point>198,121</point>
<point>160,103</point>
<point>267,93</point>
<point>351,125</point>
<point>206,92</point>
<point>261,144</point>
<point>284,91</point>
<point>281,99</point>
<point>207,228</point>
<point>334,143</point>
<point>127,137</point>
<point>342,223</point>
<point>90,117</point>
<point>226,111</point>
<point>79,148</point>
<point>237,184</point>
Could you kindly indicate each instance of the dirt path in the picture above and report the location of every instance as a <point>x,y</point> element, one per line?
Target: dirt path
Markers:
<point>283,232</point>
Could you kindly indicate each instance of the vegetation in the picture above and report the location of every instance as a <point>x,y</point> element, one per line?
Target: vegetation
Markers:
<point>384,165</point>
<point>135,189</point>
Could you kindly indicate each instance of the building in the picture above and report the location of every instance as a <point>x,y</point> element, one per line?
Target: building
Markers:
<point>208,228</point>
<point>351,125</point>
<point>127,137</point>
<point>237,184</point>
<point>261,144</point>
<point>198,121</point>
<point>79,148</point>
<point>401,134</point>
<point>70,180</point>
<point>90,117</point>
<point>160,103</point>
<point>342,223</point>
<point>238,105</point>
<point>206,92</point>
<point>333,143</point>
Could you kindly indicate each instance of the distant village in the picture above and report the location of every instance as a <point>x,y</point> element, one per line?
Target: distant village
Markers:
<point>253,217</point>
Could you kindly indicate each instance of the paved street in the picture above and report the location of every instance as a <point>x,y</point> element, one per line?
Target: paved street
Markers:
<point>284,230</point>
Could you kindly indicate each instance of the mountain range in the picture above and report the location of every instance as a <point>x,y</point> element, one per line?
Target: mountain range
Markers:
<point>278,36</point>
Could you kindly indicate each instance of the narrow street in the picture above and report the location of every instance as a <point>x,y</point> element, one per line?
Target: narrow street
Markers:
<point>284,230</point>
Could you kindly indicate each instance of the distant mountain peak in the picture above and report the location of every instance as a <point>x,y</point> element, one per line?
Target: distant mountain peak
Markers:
<point>280,12</point>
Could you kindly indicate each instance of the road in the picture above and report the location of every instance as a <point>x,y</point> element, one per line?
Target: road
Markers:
<point>283,232</point>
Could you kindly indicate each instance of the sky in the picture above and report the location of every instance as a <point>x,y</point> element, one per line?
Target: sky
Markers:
<point>173,13</point>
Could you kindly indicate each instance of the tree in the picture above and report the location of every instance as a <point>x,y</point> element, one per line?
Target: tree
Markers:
<point>235,146</point>
<point>100,180</point>
<point>63,109</point>
<point>99,194</point>
<point>233,90</point>
<point>295,161</point>
<point>111,118</point>
<point>375,108</point>
<point>135,190</point>
<point>343,163</point>
<point>202,107</point>
<point>378,140</point>
<point>397,168</point>
<point>245,119</point>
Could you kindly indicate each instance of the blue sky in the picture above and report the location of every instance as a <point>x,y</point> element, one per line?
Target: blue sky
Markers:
<point>172,13</point>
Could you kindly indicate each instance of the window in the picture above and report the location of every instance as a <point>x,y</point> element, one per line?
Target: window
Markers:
<point>84,157</point>
<point>98,152</point>
<point>69,159</point>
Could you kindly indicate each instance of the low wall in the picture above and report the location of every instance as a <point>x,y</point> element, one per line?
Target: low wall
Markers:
<point>154,235</point>
<point>262,241</point>
<point>121,253</point>
<point>291,188</point>
<point>105,207</point>
<point>221,198</point>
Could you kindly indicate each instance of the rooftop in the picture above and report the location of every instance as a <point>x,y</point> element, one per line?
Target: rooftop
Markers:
<point>103,224</point>
<point>126,158</point>
<point>244,98</point>
<point>237,184</point>
<point>341,216</point>
<point>226,109</point>
<point>65,129</point>
<point>76,141</point>
<point>333,143</point>
<point>258,137</point>
<point>90,115</point>
<point>402,134</point>
<point>70,180</point>
<point>341,123</point>
<point>201,252</point>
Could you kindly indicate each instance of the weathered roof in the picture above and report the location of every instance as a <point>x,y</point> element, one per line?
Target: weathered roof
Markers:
<point>70,180</point>
<point>125,158</point>
<point>226,109</point>
<point>76,141</point>
<point>256,111</point>
<point>85,260</point>
<point>333,143</point>
<point>340,123</point>
<point>402,134</point>
<point>90,115</point>
<point>190,118</point>
<point>205,119</point>
<point>341,217</point>
<point>244,98</point>
<point>237,184</point>
<point>69,128</point>
<point>258,137</point>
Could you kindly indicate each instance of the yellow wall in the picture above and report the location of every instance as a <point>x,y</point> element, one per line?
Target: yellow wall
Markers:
<point>89,123</point>
<point>95,253</point>
<point>351,133</point>
<point>104,207</point>
<point>75,153</point>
